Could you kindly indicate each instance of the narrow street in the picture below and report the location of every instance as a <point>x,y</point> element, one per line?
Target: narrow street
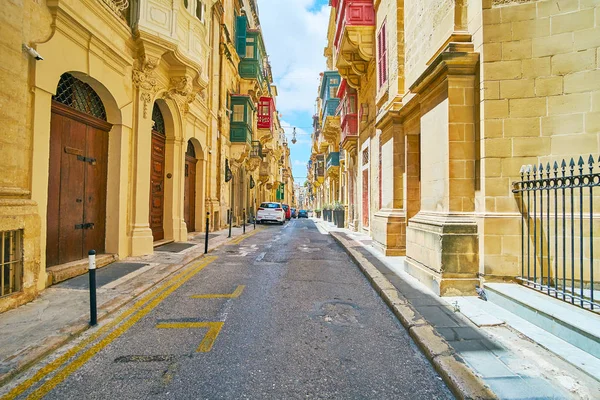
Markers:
<point>281,313</point>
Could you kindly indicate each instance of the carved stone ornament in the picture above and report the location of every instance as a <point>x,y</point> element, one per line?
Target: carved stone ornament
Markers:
<point>252,163</point>
<point>146,99</point>
<point>145,79</point>
<point>182,91</point>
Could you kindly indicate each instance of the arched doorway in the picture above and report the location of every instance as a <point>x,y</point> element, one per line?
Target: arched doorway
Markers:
<point>157,175</point>
<point>189,195</point>
<point>77,181</point>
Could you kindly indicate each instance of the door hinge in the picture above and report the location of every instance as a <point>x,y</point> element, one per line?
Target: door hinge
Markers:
<point>87,159</point>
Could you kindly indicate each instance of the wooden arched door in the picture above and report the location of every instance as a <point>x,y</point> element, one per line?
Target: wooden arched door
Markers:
<point>76,217</point>
<point>157,175</point>
<point>189,197</point>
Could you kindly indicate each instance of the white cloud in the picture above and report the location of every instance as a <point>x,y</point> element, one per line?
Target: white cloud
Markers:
<point>300,163</point>
<point>295,38</point>
<point>302,137</point>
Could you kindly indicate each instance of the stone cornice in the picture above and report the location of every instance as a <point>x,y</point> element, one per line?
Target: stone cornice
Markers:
<point>456,59</point>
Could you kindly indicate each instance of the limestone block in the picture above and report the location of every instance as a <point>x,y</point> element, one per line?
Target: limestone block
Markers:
<point>549,8</point>
<point>516,89</point>
<point>534,107</point>
<point>569,103</point>
<point>531,29</point>
<point>502,70</point>
<point>536,67</point>
<point>531,146</point>
<point>516,50</point>
<point>522,127</point>
<point>549,86</point>
<point>586,39</point>
<point>521,12</point>
<point>551,45</point>
<point>563,64</point>
<point>572,22</point>
<point>582,81</point>
<point>564,124</point>
<point>495,108</point>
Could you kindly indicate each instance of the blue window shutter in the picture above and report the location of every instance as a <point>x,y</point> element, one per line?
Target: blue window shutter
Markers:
<point>240,33</point>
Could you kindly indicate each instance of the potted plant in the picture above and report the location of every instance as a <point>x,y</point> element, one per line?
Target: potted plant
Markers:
<point>327,212</point>
<point>318,212</point>
<point>338,214</point>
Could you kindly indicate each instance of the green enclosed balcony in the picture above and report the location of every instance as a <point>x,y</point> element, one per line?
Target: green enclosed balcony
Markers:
<point>242,118</point>
<point>252,65</point>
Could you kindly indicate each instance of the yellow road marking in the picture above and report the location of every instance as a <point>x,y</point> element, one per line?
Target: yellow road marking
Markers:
<point>40,374</point>
<point>236,293</point>
<point>209,339</point>
<point>88,354</point>
<point>239,239</point>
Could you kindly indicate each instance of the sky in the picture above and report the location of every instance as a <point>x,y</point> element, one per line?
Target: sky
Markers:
<point>295,34</point>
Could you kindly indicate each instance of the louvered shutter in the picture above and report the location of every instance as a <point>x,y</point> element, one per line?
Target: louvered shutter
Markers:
<point>240,33</point>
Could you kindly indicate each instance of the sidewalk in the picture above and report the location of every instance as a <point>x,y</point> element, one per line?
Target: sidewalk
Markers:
<point>507,362</point>
<point>61,312</point>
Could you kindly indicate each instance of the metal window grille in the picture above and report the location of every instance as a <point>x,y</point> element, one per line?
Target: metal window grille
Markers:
<point>79,95</point>
<point>11,262</point>
<point>557,230</point>
<point>159,121</point>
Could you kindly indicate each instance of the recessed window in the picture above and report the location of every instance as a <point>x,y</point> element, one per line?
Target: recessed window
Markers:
<point>249,47</point>
<point>186,4</point>
<point>11,262</point>
<point>200,10</point>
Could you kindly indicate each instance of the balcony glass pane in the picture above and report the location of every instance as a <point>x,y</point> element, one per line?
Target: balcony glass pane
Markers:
<point>238,113</point>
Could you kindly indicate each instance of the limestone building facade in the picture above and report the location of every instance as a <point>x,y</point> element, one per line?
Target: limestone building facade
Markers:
<point>120,136</point>
<point>453,97</point>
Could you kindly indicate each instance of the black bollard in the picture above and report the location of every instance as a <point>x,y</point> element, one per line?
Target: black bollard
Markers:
<point>92,276</point>
<point>244,221</point>
<point>206,237</point>
<point>230,218</point>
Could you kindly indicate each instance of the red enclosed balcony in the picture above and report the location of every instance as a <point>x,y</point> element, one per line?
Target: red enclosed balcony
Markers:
<point>348,116</point>
<point>354,38</point>
<point>266,108</point>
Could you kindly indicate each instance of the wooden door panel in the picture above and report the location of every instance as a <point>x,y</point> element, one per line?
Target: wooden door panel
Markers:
<point>190,194</point>
<point>95,189</point>
<point>157,186</point>
<point>365,198</point>
<point>72,181</point>
<point>57,125</point>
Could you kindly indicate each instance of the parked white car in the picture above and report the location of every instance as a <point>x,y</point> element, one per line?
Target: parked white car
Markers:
<point>270,212</point>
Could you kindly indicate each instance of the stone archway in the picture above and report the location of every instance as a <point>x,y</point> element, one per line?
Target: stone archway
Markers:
<point>77,174</point>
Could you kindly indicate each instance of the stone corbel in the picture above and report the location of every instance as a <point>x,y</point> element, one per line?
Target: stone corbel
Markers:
<point>252,163</point>
<point>182,91</point>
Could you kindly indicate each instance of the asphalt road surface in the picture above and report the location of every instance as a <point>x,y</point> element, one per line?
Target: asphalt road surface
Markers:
<point>283,314</point>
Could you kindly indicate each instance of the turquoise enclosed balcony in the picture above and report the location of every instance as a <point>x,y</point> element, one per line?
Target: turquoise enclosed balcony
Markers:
<point>333,160</point>
<point>252,63</point>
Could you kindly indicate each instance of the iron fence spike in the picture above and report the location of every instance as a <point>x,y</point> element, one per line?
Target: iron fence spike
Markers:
<point>591,160</point>
<point>563,164</point>
<point>548,167</point>
<point>572,163</point>
<point>555,166</point>
<point>580,162</point>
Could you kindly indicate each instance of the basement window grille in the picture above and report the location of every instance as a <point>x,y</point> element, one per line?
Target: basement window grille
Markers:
<point>79,95</point>
<point>11,262</point>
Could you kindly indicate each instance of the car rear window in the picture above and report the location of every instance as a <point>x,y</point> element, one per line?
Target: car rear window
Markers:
<point>270,205</point>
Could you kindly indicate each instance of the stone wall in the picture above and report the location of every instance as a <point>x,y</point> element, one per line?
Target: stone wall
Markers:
<point>540,103</point>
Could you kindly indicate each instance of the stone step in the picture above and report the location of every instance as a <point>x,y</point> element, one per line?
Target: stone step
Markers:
<point>62,272</point>
<point>576,326</point>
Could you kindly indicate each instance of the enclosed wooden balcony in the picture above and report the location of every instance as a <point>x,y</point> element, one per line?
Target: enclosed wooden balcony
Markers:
<point>242,119</point>
<point>266,108</point>
<point>348,117</point>
<point>354,40</point>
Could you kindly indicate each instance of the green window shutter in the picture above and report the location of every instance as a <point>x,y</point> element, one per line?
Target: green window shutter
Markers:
<point>240,33</point>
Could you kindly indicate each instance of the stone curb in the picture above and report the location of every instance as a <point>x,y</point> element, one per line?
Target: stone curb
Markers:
<point>461,379</point>
<point>81,325</point>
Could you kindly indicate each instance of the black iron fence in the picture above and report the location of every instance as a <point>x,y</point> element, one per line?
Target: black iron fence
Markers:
<point>558,229</point>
